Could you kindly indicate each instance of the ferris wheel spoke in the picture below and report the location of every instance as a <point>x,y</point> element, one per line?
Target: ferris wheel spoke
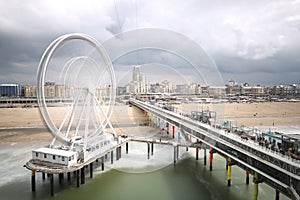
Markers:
<point>74,107</point>
<point>101,123</point>
<point>80,117</point>
<point>104,114</point>
<point>87,118</point>
<point>93,118</point>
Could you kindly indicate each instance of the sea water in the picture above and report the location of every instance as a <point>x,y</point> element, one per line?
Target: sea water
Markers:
<point>132,177</point>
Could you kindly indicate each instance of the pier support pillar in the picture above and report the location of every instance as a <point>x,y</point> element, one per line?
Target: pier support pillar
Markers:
<point>33,181</point>
<point>43,176</point>
<point>120,149</point>
<point>148,155</point>
<point>210,159</point>
<point>255,186</point>
<point>102,163</point>
<point>168,125</point>
<point>228,171</point>
<point>117,153</point>
<point>187,149</point>
<point>112,157</point>
<point>51,185</point>
<point>60,177</point>
<point>69,176</point>
<point>277,194</point>
<point>204,160</point>
<point>175,154</point>
<point>247,177</point>
<point>82,173</point>
<point>197,151</point>
<point>226,165</point>
<point>152,147</point>
<point>77,178</point>
<point>126,147</point>
<point>91,170</point>
<point>173,131</point>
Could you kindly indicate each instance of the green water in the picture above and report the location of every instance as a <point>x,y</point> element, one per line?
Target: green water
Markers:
<point>188,179</point>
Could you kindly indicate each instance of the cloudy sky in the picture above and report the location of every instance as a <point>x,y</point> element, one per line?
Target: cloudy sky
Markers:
<point>250,41</point>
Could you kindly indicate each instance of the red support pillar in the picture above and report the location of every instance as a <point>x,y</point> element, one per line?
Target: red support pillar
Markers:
<point>247,177</point>
<point>210,159</point>
<point>173,131</point>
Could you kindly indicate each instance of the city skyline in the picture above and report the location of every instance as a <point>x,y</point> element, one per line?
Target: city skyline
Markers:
<point>255,42</point>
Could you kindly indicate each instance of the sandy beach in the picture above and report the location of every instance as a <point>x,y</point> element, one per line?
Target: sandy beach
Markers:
<point>130,120</point>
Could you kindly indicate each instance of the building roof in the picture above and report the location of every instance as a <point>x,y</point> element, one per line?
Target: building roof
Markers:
<point>58,152</point>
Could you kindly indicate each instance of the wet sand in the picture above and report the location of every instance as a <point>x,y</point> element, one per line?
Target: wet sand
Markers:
<point>131,121</point>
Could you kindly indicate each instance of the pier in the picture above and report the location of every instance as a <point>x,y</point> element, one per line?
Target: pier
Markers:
<point>281,173</point>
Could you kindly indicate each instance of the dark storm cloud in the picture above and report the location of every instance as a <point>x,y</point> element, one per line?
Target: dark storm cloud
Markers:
<point>250,41</point>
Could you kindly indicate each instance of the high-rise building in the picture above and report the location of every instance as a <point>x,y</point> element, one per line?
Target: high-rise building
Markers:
<point>139,83</point>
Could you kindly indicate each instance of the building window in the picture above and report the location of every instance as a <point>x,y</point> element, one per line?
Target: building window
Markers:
<point>53,157</point>
<point>36,154</point>
<point>45,155</point>
<point>63,158</point>
<point>70,158</point>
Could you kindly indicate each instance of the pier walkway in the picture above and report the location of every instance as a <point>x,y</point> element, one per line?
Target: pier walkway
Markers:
<point>278,171</point>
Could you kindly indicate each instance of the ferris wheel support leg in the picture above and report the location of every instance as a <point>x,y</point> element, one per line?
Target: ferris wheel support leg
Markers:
<point>117,154</point>
<point>69,176</point>
<point>82,173</point>
<point>91,170</point>
<point>77,178</point>
<point>51,184</point>
<point>43,176</point>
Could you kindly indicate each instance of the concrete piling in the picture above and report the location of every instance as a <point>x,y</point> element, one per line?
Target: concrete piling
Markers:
<point>148,155</point>
<point>174,154</point>
<point>69,176</point>
<point>33,181</point>
<point>82,173</point>
<point>43,176</point>
<point>204,159</point>
<point>152,147</point>
<point>51,185</point>
<point>91,170</point>
<point>77,178</point>
<point>277,193</point>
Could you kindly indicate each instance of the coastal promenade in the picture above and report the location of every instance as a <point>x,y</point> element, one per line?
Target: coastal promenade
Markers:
<point>278,171</point>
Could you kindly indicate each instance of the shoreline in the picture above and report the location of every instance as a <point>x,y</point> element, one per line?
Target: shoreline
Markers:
<point>25,124</point>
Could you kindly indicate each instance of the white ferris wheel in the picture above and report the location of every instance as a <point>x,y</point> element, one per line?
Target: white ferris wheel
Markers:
<point>76,89</point>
